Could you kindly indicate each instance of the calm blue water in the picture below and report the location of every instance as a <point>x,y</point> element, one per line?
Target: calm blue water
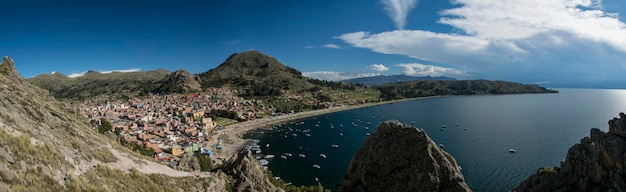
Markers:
<point>541,127</point>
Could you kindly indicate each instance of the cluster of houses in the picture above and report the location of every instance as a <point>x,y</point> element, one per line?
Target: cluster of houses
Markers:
<point>171,124</point>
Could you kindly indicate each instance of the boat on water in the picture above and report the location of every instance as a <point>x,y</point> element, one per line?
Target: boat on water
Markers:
<point>308,135</point>
<point>295,135</point>
<point>269,156</point>
<point>288,154</point>
<point>335,146</point>
<point>440,145</point>
<point>302,155</point>
<point>322,155</point>
<point>283,157</point>
<point>465,128</point>
<point>512,151</point>
<point>443,126</point>
<point>412,122</point>
<point>367,128</point>
<point>264,162</point>
<point>367,134</point>
<point>316,166</point>
<point>458,124</point>
<point>340,125</point>
<point>340,134</point>
<point>267,146</point>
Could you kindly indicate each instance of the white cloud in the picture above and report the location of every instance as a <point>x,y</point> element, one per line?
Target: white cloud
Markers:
<point>416,69</point>
<point>398,10</point>
<point>73,75</point>
<point>378,67</point>
<point>309,46</point>
<point>332,46</point>
<point>512,20</point>
<point>336,76</point>
<point>506,38</point>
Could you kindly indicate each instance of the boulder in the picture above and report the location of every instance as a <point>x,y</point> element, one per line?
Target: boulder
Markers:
<point>399,157</point>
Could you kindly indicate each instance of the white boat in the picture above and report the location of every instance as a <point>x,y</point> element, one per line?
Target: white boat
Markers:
<point>465,128</point>
<point>288,154</point>
<point>440,145</point>
<point>340,125</point>
<point>443,126</point>
<point>458,124</point>
<point>264,162</point>
<point>269,156</point>
<point>367,128</point>
<point>267,146</point>
<point>335,146</point>
<point>316,166</point>
<point>302,155</point>
<point>367,134</point>
<point>308,135</point>
<point>512,151</point>
<point>283,157</point>
<point>322,155</point>
<point>295,135</point>
<point>340,134</point>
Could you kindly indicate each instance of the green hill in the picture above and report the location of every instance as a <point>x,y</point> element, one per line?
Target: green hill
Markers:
<point>423,88</point>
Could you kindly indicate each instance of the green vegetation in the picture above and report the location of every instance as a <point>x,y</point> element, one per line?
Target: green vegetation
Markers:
<point>423,88</point>
<point>135,147</point>
<point>206,164</point>
<point>215,113</point>
<point>547,170</point>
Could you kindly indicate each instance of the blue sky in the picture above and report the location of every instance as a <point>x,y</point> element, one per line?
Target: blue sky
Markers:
<point>531,41</point>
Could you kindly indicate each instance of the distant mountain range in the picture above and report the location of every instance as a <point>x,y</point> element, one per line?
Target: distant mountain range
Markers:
<point>387,79</point>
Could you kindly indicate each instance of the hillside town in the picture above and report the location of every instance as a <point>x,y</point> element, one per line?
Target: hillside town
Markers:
<point>173,124</point>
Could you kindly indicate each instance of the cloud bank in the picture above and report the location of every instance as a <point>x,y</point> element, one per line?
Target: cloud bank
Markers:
<point>517,40</point>
<point>417,69</point>
<point>73,75</point>
<point>336,76</point>
<point>378,67</point>
<point>398,10</point>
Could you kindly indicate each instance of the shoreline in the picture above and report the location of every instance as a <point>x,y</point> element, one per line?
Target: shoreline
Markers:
<point>234,132</point>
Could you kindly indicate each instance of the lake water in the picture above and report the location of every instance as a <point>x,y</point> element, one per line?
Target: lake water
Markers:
<point>540,127</point>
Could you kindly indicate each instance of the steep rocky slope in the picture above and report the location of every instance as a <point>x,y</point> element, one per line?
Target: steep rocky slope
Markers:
<point>399,157</point>
<point>248,173</point>
<point>597,163</point>
<point>179,81</point>
<point>44,146</point>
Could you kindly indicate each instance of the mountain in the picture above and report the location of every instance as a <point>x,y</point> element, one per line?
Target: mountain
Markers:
<point>257,73</point>
<point>93,84</point>
<point>597,163</point>
<point>423,88</point>
<point>387,79</point>
<point>399,157</point>
<point>45,146</point>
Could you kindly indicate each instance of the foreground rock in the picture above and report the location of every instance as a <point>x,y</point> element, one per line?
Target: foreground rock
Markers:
<point>248,173</point>
<point>400,157</point>
<point>595,164</point>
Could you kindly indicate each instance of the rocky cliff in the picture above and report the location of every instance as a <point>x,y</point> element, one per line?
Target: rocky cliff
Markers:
<point>179,81</point>
<point>248,173</point>
<point>597,163</point>
<point>399,157</point>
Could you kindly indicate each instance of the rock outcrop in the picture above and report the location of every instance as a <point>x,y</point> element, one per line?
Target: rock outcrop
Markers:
<point>400,157</point>
<point>248,173</point>
<point>7,64</point>
<point>597,163</point>
<point>180,81</point>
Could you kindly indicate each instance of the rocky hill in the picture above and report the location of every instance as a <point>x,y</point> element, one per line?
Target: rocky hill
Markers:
<point>93,83</point>
<point>44,146</point>
<point>399,157</point>
<point>597,163</point>
<point>179,81</point>
<point>260,74</point>
<point>422,88</point>
<point>387,79</point>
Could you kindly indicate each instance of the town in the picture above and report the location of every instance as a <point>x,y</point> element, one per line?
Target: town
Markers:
<point>173,124</point>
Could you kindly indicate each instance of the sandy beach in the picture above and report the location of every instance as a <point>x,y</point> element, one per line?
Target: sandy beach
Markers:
<point>233,142</point>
